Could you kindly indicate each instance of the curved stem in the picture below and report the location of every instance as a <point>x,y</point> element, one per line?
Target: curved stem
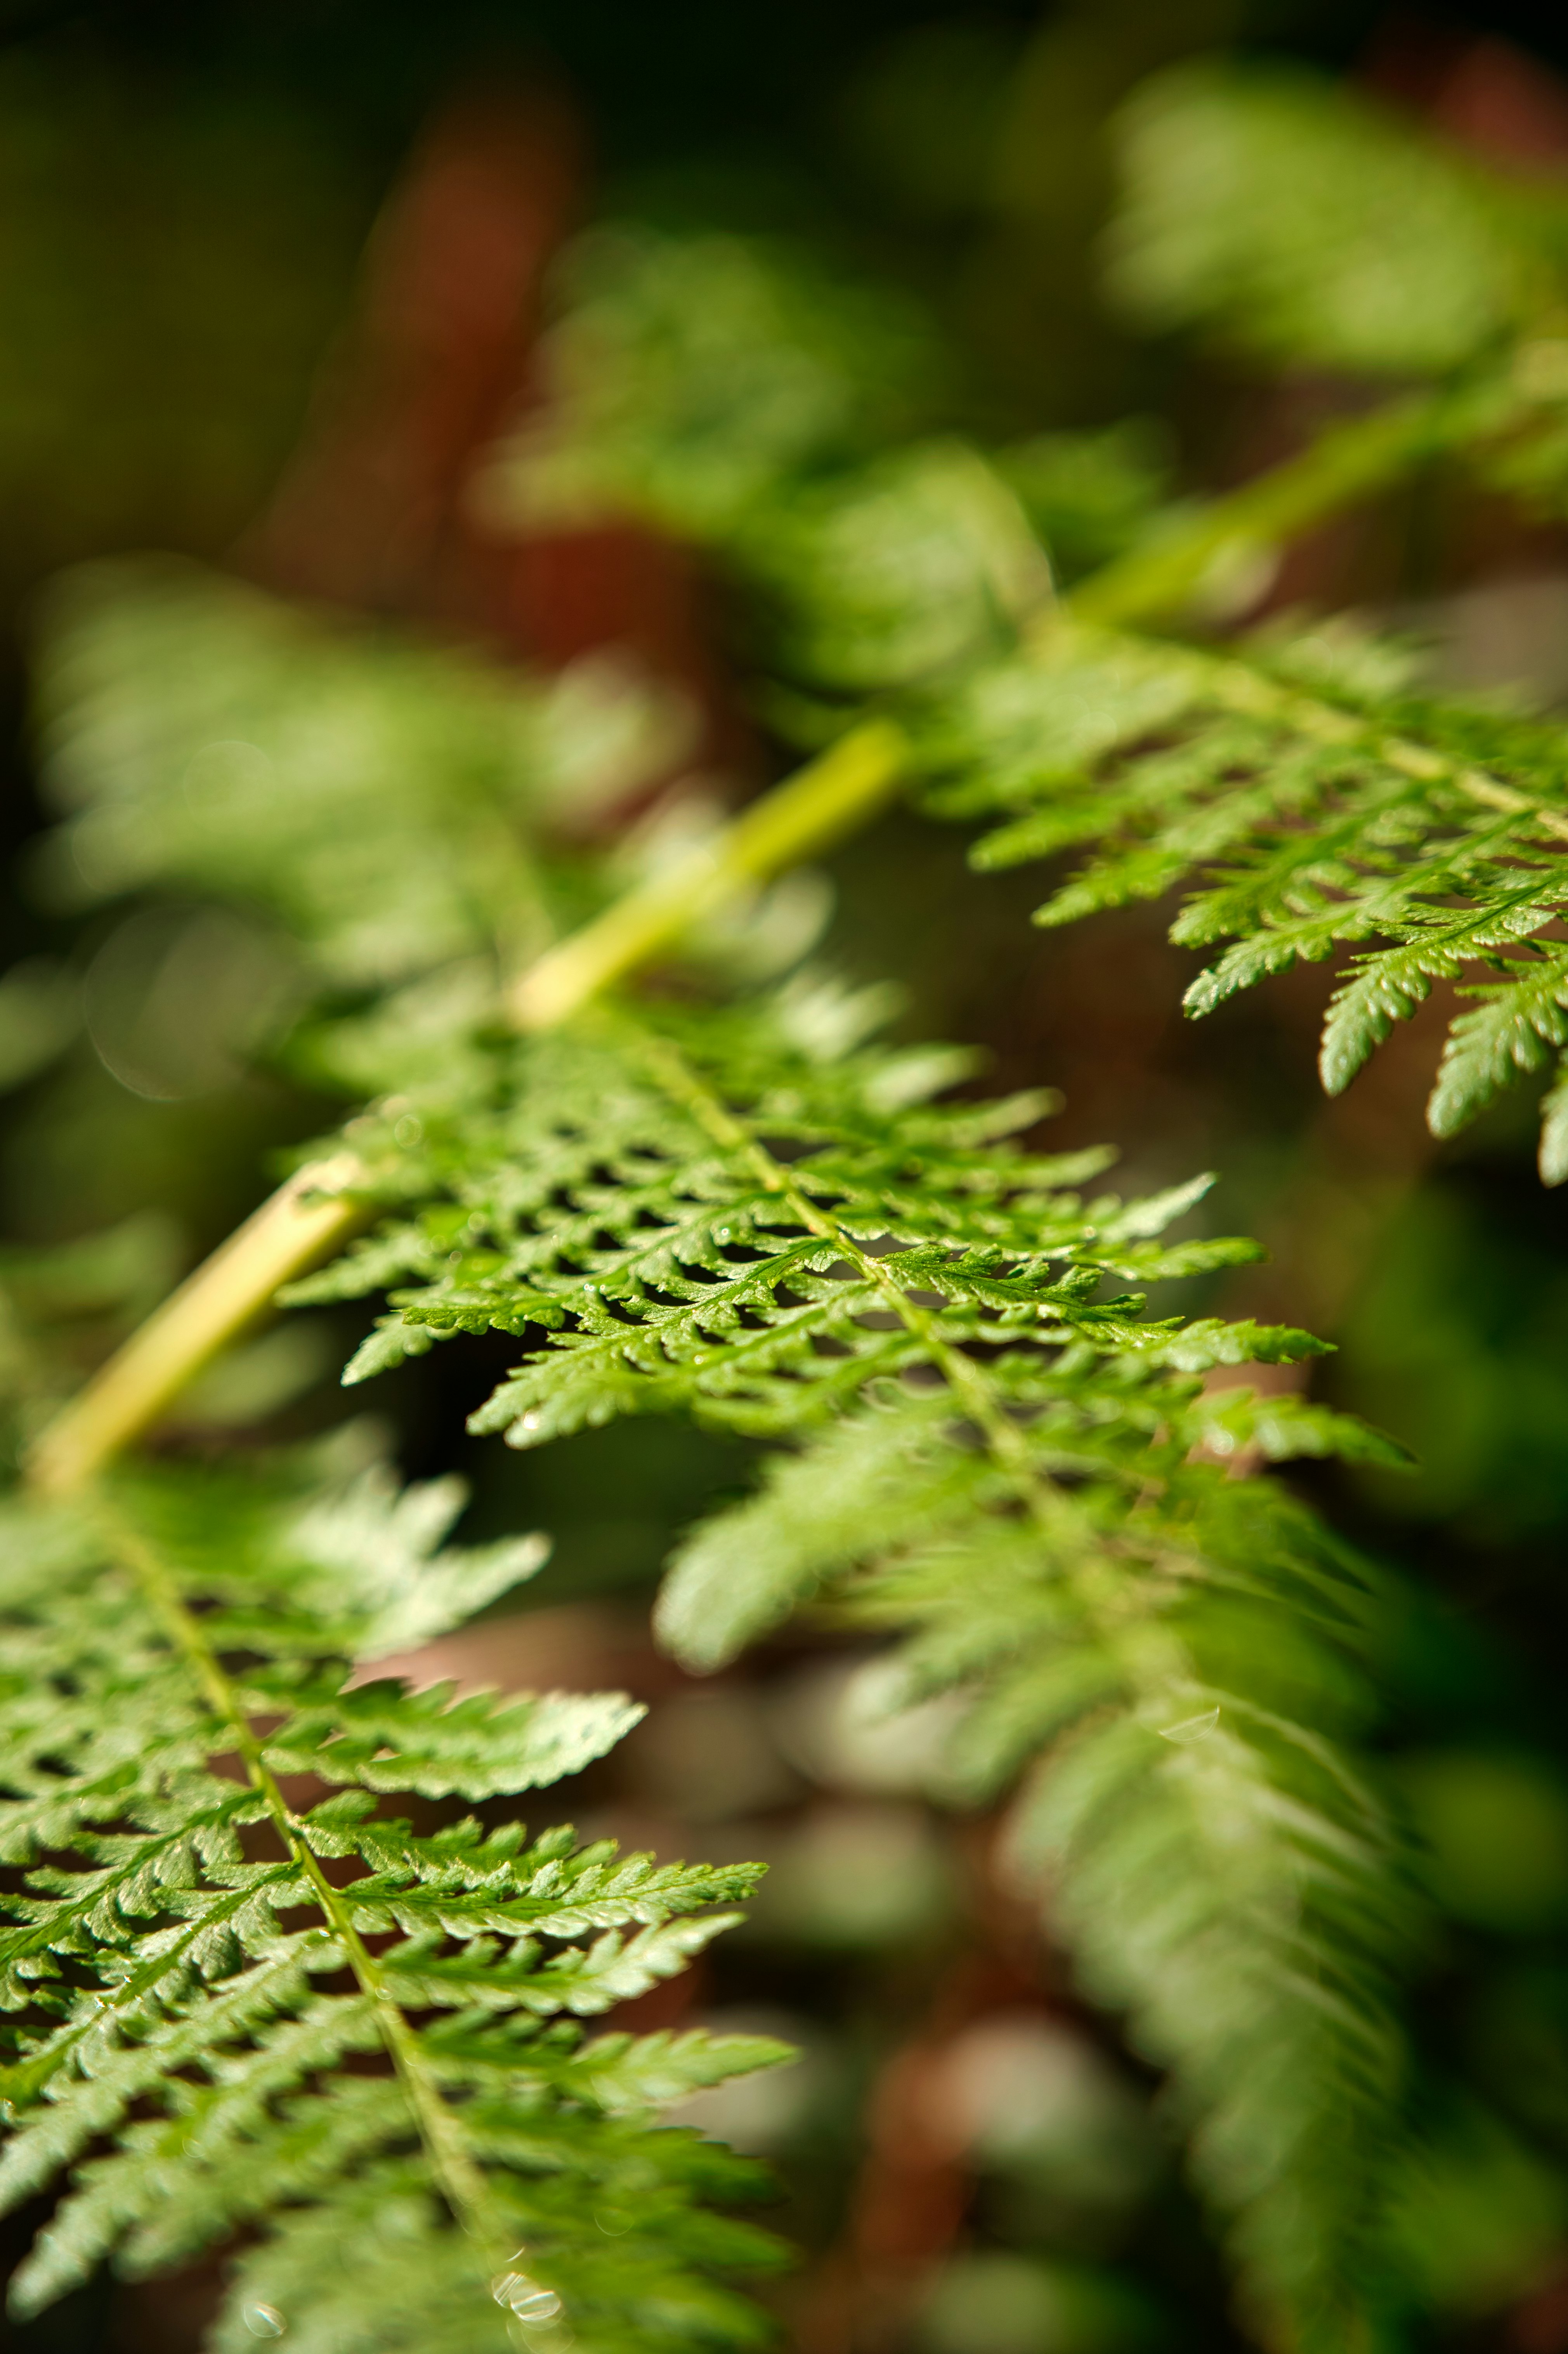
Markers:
<point>318,1208</point>
<point>303,1222</point>
<point>807,812</point>
<point>1343,464</point>
<point>806,815</point>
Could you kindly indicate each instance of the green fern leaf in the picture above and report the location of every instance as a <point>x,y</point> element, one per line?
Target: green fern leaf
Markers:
<point>1312,805</point>
<point>996,1451</point>
<point>1310,224</point>
<point>200,2038</point>
<point>1514,1030</point>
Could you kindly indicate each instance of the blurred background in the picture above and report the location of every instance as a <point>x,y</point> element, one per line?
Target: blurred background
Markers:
<point>271,282</point>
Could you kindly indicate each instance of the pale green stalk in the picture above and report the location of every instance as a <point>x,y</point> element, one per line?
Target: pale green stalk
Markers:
<point>1346,464</point>
<point>316,1211</point>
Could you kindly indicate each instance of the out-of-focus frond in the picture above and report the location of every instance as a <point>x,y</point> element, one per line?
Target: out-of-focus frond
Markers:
<point>1312,225</point>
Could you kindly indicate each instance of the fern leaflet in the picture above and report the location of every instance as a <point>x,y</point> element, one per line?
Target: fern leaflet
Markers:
<point>1313,807</point>
<point>234,2007</point>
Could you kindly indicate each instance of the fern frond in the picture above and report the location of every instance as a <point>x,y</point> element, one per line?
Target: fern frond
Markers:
<point>1313,225</point>
<point>1314,800</point>
<point>1316,803</point>
<point>1313,804</point>
<point>201,735</point>
<point>670,1261</point>
<point>199,1991</point>
<point>1301,222</point>
<point>238,2010</point>
<point>771,1226</point>
<point>689,377</point>
<point>372,796</point>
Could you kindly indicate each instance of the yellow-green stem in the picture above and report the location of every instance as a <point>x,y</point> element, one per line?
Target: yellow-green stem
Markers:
<point>318,1208</point>
<point>1345,464</point>
<point>804,816</point>
<point>303,1221</point>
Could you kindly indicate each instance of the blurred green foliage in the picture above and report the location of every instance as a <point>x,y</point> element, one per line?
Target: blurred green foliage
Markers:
<point>1454,1338</point>
<point>689,374</point>
<point>184,203</point>
<point>1313,226</point>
